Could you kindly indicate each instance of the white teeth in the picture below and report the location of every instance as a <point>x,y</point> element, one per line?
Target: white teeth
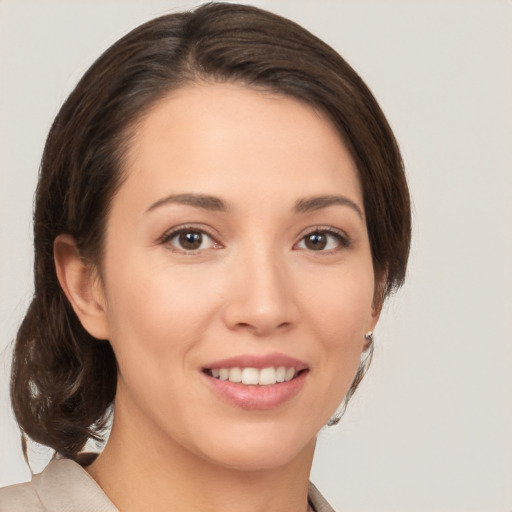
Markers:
<point>267,376</point>
<point>250,376</point>
<point>280,373</point>
<point>235,375</point>
<point>254,376</point>
<point>290,373</point>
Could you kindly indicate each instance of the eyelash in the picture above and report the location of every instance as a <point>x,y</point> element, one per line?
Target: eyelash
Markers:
<point>342,240</point>
<point>170,235</point>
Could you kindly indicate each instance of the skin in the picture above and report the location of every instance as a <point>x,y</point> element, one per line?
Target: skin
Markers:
<point>253,287</point>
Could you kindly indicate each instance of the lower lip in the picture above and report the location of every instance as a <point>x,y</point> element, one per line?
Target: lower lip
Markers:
<point>257,397</point>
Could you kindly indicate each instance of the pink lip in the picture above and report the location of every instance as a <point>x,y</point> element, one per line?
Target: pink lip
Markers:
<point>259,362</point>
<point>257,397</point>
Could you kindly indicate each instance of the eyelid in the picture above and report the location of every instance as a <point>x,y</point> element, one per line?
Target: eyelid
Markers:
<point>176,230</point>
<point>344,239</point>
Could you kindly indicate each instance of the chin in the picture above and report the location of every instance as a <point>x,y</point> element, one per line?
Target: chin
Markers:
<point>257,449</point>
<point>258,460</point>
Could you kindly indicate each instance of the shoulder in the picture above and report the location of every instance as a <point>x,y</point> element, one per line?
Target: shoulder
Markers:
<point>63,485</point>
<point>20,497</point>
<point>316,501</point>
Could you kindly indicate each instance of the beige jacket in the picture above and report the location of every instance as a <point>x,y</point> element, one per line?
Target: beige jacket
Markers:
<point>64,486</point>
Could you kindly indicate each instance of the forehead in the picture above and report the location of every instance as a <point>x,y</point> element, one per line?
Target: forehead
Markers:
<point>214,138</point>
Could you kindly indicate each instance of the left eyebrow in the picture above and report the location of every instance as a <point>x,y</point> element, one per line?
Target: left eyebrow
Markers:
<point>316,203</point>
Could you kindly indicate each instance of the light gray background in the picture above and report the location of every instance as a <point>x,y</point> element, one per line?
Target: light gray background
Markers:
<point>431,427</point>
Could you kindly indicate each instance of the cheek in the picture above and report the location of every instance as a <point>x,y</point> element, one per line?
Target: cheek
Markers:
<point>155,310</point>
<point>339,303</point>
<point>339,312</point>
<point>157,317</point>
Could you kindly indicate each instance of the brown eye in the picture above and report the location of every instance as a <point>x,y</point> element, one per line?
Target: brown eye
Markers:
<point>323,241</point>
<point>316,241</point>
<point>190,240</point>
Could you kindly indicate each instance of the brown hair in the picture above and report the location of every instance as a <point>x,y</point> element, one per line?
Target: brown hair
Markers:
<point>63,380</point>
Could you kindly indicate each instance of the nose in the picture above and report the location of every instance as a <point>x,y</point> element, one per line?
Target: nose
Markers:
<point>261,297</point>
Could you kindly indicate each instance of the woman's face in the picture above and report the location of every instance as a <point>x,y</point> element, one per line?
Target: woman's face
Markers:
<point>236,248</point>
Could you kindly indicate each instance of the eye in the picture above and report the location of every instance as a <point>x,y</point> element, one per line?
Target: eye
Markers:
<point>323,240</point>
<point>189,240</point>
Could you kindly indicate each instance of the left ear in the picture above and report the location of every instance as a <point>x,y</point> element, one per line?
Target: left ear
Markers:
<point>377,303</point>
<point>371,327</point>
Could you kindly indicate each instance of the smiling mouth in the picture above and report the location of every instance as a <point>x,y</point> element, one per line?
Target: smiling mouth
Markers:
<point>255,376</point>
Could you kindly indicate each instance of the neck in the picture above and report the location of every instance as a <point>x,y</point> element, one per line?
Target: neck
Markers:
<point>152,472</point>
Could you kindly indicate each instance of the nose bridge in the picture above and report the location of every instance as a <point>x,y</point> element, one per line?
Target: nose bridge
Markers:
<point>261,297</point>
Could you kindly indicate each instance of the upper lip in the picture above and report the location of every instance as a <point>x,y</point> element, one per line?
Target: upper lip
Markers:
<point>258,361</point>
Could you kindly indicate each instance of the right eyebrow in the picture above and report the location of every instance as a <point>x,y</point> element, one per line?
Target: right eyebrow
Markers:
<point>206,202</point>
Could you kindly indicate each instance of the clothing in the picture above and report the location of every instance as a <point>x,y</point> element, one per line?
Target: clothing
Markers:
<point>65,486</point>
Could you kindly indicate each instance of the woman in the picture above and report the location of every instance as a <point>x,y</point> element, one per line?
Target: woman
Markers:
<point>220,215</point>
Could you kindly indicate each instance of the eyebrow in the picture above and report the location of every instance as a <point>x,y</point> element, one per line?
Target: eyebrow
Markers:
<point>213,203</point>
<point>318,202</point>
<point>198,200</point>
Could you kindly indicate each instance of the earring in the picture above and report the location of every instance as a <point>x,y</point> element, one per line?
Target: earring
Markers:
<point>369,337</point>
